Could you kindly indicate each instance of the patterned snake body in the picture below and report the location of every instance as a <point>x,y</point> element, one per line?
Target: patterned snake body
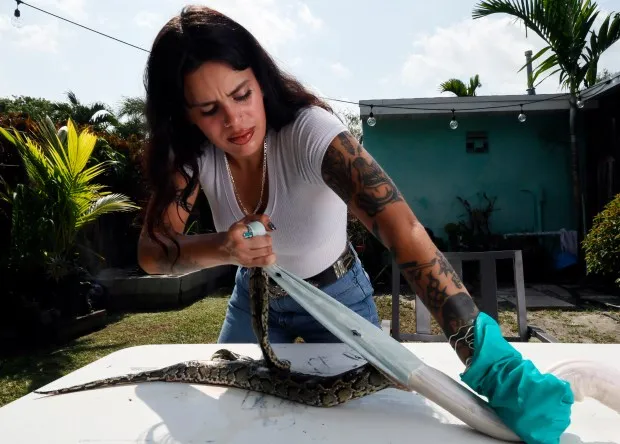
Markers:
<point>269,375</point>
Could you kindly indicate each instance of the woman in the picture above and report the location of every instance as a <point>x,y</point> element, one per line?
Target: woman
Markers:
<point>224,120</point>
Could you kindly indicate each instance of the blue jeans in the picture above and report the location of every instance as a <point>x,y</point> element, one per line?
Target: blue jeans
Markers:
<point>287,319</point>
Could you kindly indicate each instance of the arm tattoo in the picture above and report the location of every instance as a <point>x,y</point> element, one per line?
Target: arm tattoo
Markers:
<point>459,314</point>
<point>454,312</point>
<point>377,190</point>
<point>446,268</point>
<point>337,174</point>
<point>356,177</point>
<point>435,295</point>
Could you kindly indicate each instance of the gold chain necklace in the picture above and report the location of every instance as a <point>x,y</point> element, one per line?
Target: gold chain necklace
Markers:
<point>262,187</point>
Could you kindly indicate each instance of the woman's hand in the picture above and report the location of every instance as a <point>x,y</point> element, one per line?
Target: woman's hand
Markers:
<point>250,252</point>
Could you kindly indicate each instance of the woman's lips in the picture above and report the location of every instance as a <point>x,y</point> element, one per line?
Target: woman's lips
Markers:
<point>242,138</point>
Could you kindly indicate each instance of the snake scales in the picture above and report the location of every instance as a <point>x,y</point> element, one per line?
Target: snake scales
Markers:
<point>269,375</point>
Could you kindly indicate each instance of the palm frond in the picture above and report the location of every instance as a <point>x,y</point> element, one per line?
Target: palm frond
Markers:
<point>73,98</point>
<point>566,28</point>
<point>107,204</point>
<point>455,86</point>
<point>95,170</point>
<point>474,84</point>
<point>36,164</point>
<point>84,149</point>
<point>132,107</point>
<point>7,194</point>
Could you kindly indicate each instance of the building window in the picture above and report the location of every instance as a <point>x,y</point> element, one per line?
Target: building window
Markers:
<point>477,142</point>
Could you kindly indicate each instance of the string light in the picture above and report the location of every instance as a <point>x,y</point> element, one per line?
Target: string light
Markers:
<point>521,117</point>
<point>16,20</point>
<point>453,123</point>
<point>371,118</point>
<point>579,101</point>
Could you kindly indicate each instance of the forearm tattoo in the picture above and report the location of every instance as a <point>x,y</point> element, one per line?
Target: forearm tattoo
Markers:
<point>357,178</point>
<point>459,314</point>
<point>455,312</point>
<point>359,181</point>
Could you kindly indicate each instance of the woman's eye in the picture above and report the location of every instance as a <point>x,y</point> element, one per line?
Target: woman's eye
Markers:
<point>211,112</point>
<point>246,96</point>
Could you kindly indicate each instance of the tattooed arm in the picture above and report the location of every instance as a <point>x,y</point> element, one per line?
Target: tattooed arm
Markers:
<point>372,197</point>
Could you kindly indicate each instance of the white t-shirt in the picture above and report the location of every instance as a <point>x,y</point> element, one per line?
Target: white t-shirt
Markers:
<point>310,218</point>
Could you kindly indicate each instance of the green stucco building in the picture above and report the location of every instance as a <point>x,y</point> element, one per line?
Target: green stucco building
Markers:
<point>524,166</point>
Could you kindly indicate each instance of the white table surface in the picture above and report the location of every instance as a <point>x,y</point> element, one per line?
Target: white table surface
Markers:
<point>183,413</point>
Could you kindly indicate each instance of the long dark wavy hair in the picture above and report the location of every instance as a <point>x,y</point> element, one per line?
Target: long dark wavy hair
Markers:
<point>200,34</point>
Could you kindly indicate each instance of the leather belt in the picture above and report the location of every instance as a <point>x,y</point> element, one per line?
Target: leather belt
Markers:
<point>331,274</point>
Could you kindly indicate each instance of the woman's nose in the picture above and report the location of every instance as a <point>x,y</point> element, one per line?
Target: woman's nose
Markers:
<point>231,117</point>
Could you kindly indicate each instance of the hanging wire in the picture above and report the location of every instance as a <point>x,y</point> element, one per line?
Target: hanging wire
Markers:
<point>82,26</point>
<point>373,119</point>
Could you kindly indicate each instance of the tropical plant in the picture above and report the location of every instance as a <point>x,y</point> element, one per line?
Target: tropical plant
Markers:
<point>30,106</point>
<point>474,233</point>
<point>458,88</point>
<point>133,110</point>
<point>97,114</point>
<point>60,198</point>
<point>602,243</point>
<point>605,75</point>
<point>573,50</point>
<point>353,123</point>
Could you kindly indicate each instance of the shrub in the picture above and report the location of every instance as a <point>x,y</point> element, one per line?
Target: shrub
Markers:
<point>602,243</point>
<point>50,209</point>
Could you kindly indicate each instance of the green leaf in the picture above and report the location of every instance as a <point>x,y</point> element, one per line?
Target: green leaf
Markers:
<point>564,25</point>
<point>455,86</point>
<point>106,204</point>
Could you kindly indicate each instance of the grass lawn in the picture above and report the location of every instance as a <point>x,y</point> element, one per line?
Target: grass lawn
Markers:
<point>198,323</point>
<point>201,321</point>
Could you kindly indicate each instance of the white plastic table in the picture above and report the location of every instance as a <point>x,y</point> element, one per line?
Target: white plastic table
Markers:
<point>182,413</point>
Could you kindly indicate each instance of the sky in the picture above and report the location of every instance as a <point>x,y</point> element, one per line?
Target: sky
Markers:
<point>346,49</point>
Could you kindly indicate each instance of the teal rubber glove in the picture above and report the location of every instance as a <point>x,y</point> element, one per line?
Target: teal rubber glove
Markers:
<point>535,406</point>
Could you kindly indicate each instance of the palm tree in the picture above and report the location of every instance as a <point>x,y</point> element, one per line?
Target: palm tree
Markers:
<point>98,114</point>
<point>133,109</point>
<point>458,88</point>
<point>60,197</point>
<point>573,50</point>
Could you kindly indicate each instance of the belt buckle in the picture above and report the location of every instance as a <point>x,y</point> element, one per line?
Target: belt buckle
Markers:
<point>341,265</point>
<point>275,290</point>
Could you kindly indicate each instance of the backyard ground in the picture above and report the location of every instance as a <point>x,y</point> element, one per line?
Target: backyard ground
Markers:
<point>201,321</point>
<point>593,325</point>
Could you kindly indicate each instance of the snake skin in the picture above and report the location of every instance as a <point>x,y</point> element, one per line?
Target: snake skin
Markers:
<point>259,307</point>
<point>269,375</point>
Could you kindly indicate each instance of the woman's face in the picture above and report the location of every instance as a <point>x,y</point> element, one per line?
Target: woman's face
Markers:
<point>228,107</point>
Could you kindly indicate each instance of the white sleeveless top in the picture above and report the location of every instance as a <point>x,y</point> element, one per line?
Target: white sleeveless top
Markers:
<point>310,218</point>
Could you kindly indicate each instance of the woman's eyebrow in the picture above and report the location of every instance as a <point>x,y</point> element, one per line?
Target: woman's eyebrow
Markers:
<point>234,91</point>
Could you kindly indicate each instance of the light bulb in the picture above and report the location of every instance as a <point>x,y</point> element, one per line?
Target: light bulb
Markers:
<point>579,104</point>
<point>16,20</point>
<point>454,124</point>
<point>521,117</point>
<point>371,120</point>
